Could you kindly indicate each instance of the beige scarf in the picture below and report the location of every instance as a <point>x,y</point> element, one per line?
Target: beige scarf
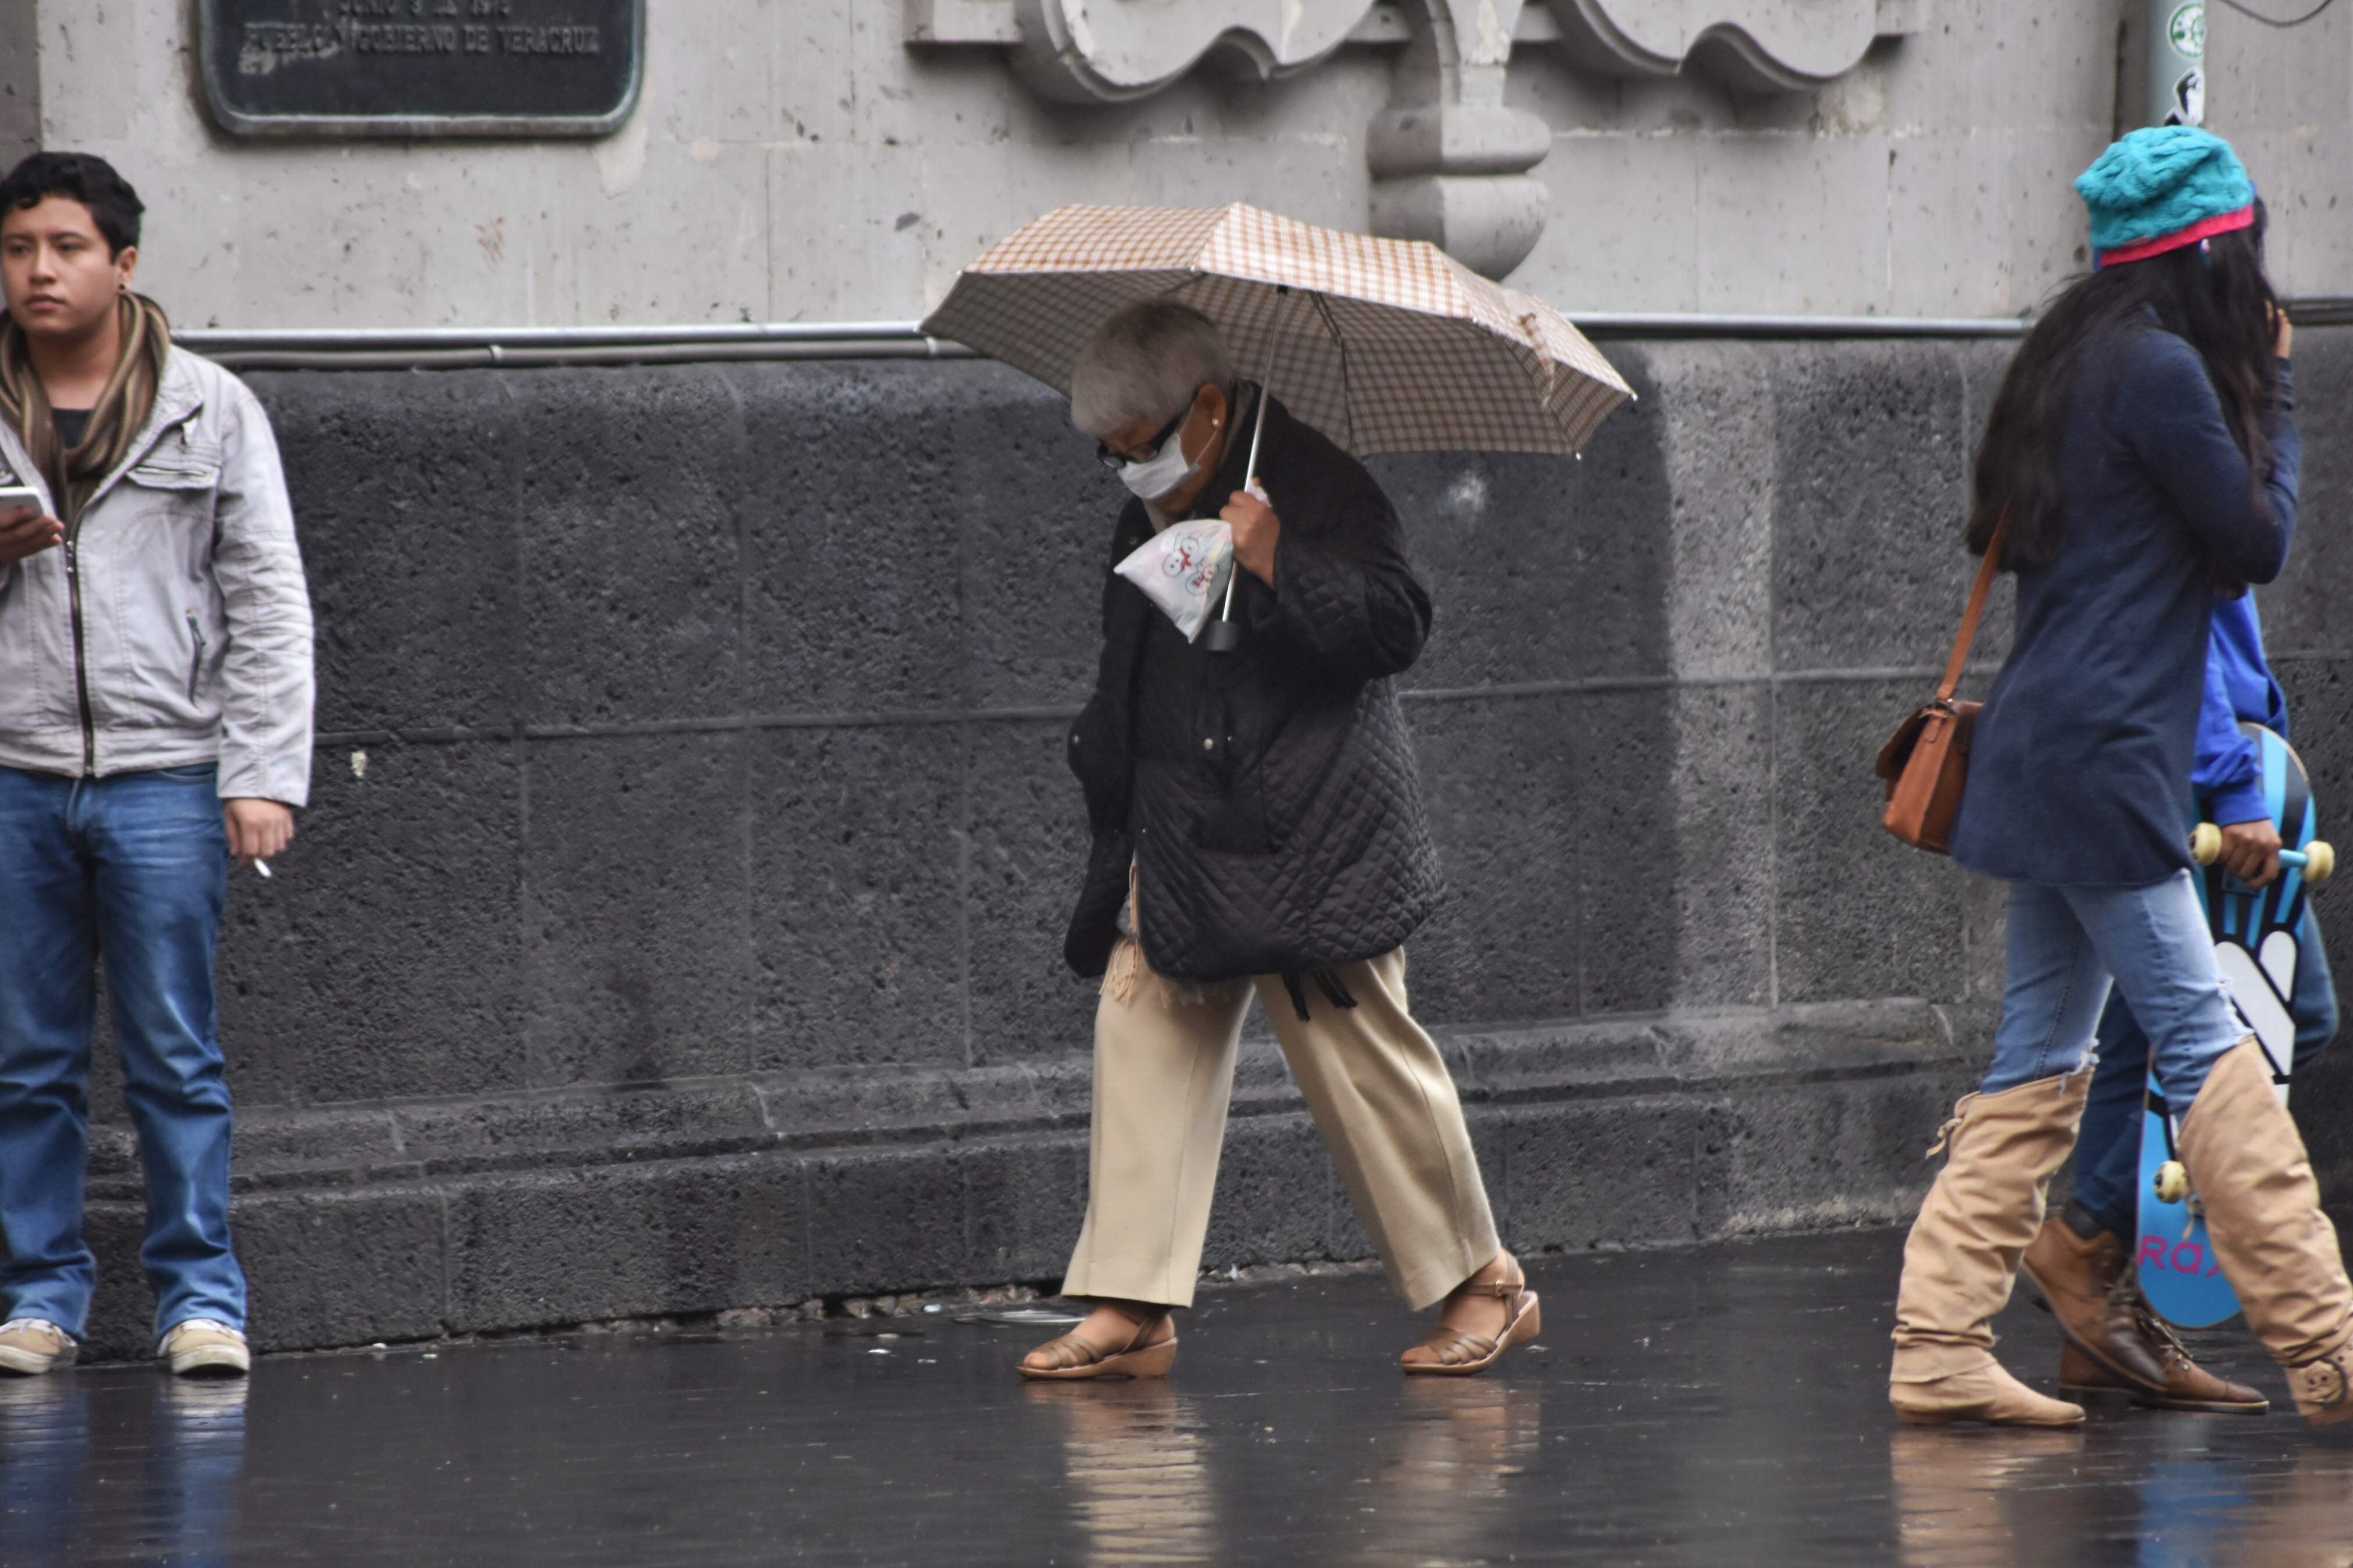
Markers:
<point>1129,968</point>
<point>114,423</point>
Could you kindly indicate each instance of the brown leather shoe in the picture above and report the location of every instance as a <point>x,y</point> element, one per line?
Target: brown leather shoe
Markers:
<point>2188,1385</point>
<point>1459,1353</point>
<point>2087,1285</point>
<point>1149,1350</point>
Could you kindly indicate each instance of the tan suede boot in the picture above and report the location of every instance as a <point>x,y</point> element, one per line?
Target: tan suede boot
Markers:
<point>2000,1151</point>
<point>2247,1165</point>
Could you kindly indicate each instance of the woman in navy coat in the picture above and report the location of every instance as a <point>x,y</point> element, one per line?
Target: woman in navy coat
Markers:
<point>2140,460</point>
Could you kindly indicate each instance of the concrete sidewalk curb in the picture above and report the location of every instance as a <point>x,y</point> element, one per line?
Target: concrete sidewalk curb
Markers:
<point>422,1219</point>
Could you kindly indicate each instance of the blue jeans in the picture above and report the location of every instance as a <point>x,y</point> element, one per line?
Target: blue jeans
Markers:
<point>2069,945</point>
<point>2108,1151</point>
<point>136,868</point>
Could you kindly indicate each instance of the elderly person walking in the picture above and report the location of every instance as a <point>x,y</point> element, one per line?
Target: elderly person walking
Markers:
<point>1257,831</point>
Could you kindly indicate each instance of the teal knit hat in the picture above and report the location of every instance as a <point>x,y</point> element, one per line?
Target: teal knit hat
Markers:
<point>2162,188</point>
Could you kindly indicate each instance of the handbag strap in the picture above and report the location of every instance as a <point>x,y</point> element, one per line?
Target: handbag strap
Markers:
<point>1991,564</point>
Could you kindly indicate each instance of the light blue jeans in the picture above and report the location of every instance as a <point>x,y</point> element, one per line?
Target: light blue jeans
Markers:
<point>135,867</point>
<point>2069,945</point>
<point>2107,1149</point>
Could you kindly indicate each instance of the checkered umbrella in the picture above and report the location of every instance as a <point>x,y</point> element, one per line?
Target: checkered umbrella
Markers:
<point>1385,345</point>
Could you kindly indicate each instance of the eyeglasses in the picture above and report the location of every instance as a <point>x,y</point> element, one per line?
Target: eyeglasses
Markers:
<point>1117,460</point>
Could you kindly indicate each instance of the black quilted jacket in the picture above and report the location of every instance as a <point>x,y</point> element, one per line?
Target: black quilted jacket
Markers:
<point>1267,797</point>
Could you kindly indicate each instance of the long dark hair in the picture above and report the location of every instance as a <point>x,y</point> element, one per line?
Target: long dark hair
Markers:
<point>2213,296</point>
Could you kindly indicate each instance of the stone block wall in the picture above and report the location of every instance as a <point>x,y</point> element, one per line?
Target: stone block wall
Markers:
<point>676,924</point>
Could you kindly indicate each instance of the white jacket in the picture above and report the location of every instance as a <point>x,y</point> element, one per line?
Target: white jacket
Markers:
<point>195,621</point>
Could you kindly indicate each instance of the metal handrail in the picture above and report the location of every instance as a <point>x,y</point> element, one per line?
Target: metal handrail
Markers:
<point>1698,324</point>
<point>214,340</point>
<point>454,348</point>
<point>482,348</point>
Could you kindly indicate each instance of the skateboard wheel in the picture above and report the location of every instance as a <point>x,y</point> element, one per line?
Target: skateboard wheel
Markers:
<point>2319,862</point>
<point>2172,1182</point>
<point>2206,843</point>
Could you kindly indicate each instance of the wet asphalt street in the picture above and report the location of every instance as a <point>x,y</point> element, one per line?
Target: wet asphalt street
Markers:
<point>1722,1405</point>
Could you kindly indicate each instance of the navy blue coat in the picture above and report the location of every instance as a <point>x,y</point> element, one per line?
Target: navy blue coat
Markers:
<point>2079,771</point>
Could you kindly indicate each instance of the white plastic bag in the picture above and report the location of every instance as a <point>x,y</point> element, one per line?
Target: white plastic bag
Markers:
<point>1184,569</point>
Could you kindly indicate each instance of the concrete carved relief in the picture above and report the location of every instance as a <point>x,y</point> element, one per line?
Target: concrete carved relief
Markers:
<point>1100,51</point>
<point>1755,45</point>
<point>1449,161</point>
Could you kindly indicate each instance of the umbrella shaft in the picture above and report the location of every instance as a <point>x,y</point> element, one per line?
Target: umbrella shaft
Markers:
<point>1250,478</point>
<point>1258,426</point>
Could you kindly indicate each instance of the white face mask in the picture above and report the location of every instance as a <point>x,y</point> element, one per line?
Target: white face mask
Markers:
<point>1166,471</point>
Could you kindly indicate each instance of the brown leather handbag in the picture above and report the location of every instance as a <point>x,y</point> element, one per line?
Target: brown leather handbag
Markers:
<point>1927,761</point>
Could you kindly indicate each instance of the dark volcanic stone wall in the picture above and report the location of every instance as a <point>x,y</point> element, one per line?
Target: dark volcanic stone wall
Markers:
<point>676,923</point>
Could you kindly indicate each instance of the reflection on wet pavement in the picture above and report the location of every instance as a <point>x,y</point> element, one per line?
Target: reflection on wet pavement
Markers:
<point>2301,1520</point>
<point>174,1503</point>
<point>1966,1498</point>
<point>200,1450</point>
<point>1957,1492</point>
<point>1723,1404</point>
<point>1139,1480</point>
<point>1440,1491</point>
<point>44,1439</point>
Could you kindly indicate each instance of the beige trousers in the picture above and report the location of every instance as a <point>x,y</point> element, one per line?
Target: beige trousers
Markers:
<point>1380,1094</point>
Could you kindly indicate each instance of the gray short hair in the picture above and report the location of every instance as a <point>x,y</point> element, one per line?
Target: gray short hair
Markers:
<point>1146,363</point>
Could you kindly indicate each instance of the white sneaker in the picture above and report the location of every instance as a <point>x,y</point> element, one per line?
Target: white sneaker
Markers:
<point>202,1346</point>
<point>31,1346</point>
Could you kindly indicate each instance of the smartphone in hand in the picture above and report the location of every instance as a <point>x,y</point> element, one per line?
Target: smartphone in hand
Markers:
<point>20,535</point>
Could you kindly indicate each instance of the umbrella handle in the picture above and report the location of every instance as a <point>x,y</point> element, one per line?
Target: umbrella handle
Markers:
<point>1234,568</point>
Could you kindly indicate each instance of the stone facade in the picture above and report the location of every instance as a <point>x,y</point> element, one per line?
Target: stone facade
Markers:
<point>676,924</point>
<point>838,158</point>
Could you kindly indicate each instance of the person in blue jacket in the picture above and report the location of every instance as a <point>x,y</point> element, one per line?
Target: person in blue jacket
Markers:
<point>2140,459</point>
<point>2114,1346</point>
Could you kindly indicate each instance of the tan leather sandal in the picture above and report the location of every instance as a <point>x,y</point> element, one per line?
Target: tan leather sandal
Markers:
<point>1458,1352</point>
<point>1076,1358</point>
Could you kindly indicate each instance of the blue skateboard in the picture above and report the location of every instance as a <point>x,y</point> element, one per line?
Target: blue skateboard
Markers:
<point>2255,946</point>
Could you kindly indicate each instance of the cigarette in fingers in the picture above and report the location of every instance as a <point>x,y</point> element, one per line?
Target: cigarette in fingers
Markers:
<point>262,866</point>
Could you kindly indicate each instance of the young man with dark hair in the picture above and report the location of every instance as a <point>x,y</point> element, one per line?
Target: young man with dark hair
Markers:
<point>154,729</point>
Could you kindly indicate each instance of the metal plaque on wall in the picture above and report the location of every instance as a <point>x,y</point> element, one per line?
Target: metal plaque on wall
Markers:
<point>422,68</point>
